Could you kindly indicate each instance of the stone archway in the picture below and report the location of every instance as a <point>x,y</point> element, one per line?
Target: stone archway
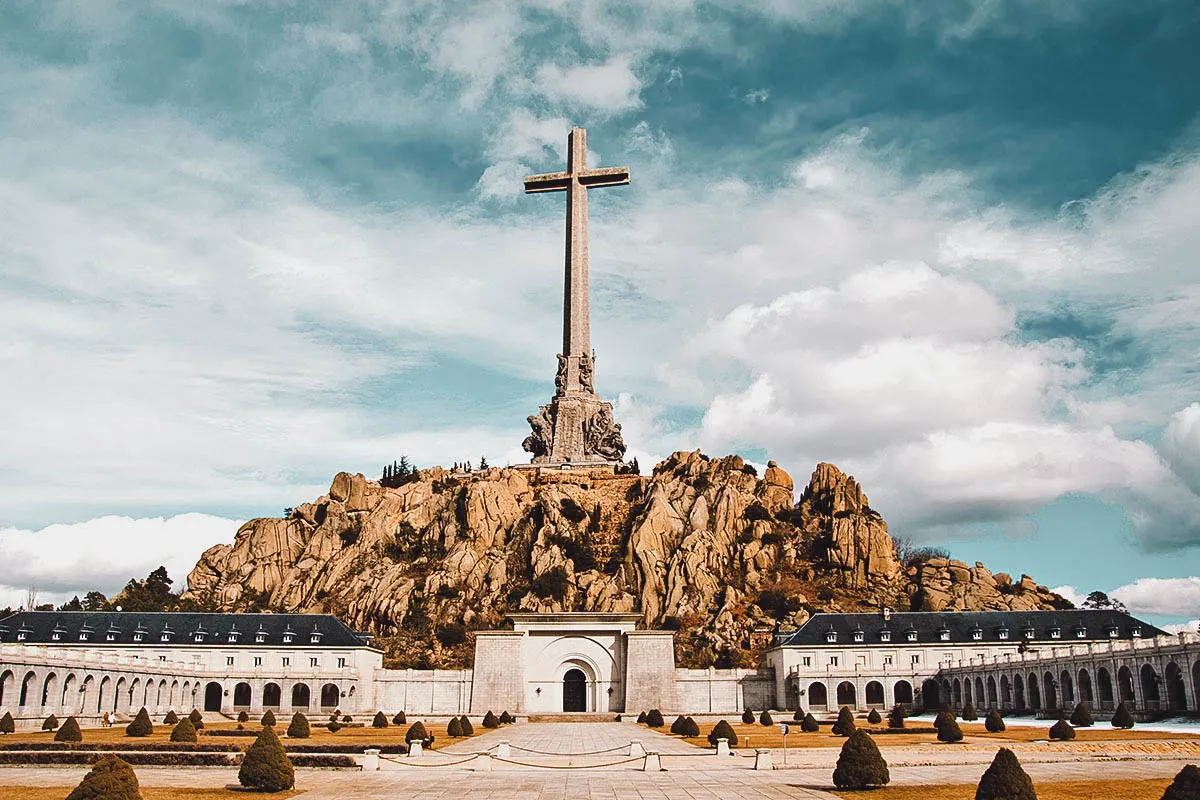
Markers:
<point>1176,689</point>
<point>818,696</point>
<point>874,694</point>
<point>213,694</point>
<point>1150,681</point>
<point>1104,687</point>
<point>1035,695</point>
<point>574,690</point>
<point>331,696</point>
<point>902,693</point>
<point>1019,694</point>
<point>241,695</point>
<point>993,699</point>
<point>301,696</point>
<point>1125,685</point>
<point>931,695</point>
<point>1085,687</point>
<point>846,696</point>
<point>271,695</point>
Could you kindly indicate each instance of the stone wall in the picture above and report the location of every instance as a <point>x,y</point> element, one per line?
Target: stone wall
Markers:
<point>440,692</point>
<point>500,670</point>
<point>724,691</point>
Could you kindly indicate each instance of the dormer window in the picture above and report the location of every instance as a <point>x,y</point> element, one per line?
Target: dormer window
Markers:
<point>1136,631</point>
<point>84,635</point>
<point>911,635</point>
<point>1028,632</point>
<point>109,637</point>
<point>199,635</point>
<point>858,636</point>
<point>233,636</point>
<point>1056,632</point>
<point>56,636</point>
<point>831,636</point>
<point>1002,633</point>
<point>165,637</point>
<point>315,638</point>
<point>944,634</point>
<point>20,636</point>
<point>260,637</point>
<point>1080,632</point>
<point>977,633</point>
<point>885,636</point>
<point>1113,631</point>
<point>287,637</point>
<point>138,636</point>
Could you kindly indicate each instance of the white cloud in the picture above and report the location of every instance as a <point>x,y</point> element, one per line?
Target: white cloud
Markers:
<point>609,87</point>
<point>1191,626</point>
<point>1176,597</point>
<point>1181,444</point>
<point>103,554</point>
<point>1070,593</point>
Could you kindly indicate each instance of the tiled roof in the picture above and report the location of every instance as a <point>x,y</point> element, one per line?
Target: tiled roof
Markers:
<point>929,627</point>
<point>178,628</point>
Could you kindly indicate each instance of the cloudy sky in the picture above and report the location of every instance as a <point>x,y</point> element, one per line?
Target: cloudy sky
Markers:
<point>949,247</point>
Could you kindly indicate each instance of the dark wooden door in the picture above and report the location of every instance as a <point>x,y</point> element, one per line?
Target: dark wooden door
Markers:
<point>574,691</point>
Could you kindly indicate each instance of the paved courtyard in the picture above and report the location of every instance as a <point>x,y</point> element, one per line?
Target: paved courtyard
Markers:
<point>584,760</point>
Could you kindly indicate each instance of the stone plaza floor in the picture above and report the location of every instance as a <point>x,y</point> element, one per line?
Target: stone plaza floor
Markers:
<point>548,757</point>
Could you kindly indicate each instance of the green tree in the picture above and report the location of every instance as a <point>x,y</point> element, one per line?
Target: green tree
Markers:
<point>860,764</point>
<point>490,720</point>
<point>110,778</point>
<point>416,733</point>
<point>380,721</point>
<point>994,723</point>
<point>654,719</point>
<point>1061,731</point>
<point>845,722</point>
<point>399,719</point>
<point>1081,717</point>
<point>764,719</point>
<point>50,723</point>
<point>467,728</point>
<point>171,718</point>
<point>298,728</point>
<point>810,724</point>
<point>1101,600</point>
<point>949,732</point>
<point>747,717</point>
<point>69,732</point>
<point>969,714</point>
<point>1122,718</point>
<point>896,717</point>
<point>722,730</point>
<point>196,718</point>
<point>7,725</point>
<point>184,731</point>
<point>266,766</point>
<point>1005,779</point>
<point>269,718</point>
<point>141,725</point>
<point>1186,785</point>
<point>72,605</point>
<point>95,601</point>
<point>874,717</point>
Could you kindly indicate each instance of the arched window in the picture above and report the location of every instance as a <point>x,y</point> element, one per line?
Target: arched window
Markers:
<point>7,682</point>
<point>26,686</point>
<point>1049,697</point>
<point>118,694</point>
<point>330,696</point>
<point>1019,693</point>
<point>1068,688</point>
<point>241,695</point>
<point>992,699</point>
<point>1006,699</point>
<point>956,693</point>
<point>874,693</point>
<point>903,692</point>
<point>846,696</point>
<point>300,696</point>
<point>968,695</point>
<point>1176,690</point>
<point>105,688</point>
<point>931,695</point>
<point>69,692</point>
<point>979,696</point>
<point>49,688</point>
<point>1150,696</point>
<point>1104,685</point>
<point>213,693</point>
<point>271,695</point>
<point>1035,695</point>
<point>1085,687</point>
<point>818,696</point>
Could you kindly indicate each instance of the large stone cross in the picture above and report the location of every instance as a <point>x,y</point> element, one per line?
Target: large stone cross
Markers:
<point>577,343</point>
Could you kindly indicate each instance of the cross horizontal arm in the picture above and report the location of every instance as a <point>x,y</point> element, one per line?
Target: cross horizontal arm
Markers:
<point>550,182</point>
<point>609,176</point>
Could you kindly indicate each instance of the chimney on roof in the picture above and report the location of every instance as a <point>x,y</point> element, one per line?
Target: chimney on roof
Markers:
<point>887,614</point>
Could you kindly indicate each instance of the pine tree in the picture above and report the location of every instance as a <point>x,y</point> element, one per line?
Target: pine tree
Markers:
<point>110,778</point>
<point>490,721</point>
<point>1081,717</point>
<point>690,728</point>
<point>943,717</point>
<point>1005,779</point>
<point>994,723</point>
<point>184,731</point>
<point>860,764</point>
<point>896,717</point>
<point>641,720</point>
<point>722,730</point>
<point>747,717</point>
<point>141,725</point>
<point>508,719</point>
<point>810,724</point>
<point>467,728</point>
<point>1186,785</point>
<point>845,722</point>
<point>874,717</point>
<point>69,732</point>
<point>677,726</point>
<point>399,719</point>
<point>266,766</point>
<point>764,719</point>
<point>949,732</point>
<point>1122,718</point>
<point>1061,731</point>
<point>298,728</point>
<point>380,720</point>
<point>171,718</point>
<point>798,716</point>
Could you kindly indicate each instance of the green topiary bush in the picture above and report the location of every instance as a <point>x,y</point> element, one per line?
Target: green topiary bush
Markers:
<point>69,732</point>
<point>399,719</point>
<point>141,725</point>
<point>677,726</point>
<point>1186,785</point>
<point>969,714</point>
<point>1122,718</point>
<point>490,721</point>
<point>110,778</point>
<point>798,716</point>
<point>507,718</point>
<point>266,766</point>
<point>690,728</point>
<point>467,728</point>
<point>942,718</point>
<point>642,718</point>
<point>994,723</point>
<point>197,719</point>
<point>722,730</point>
<point>845,722</point>
<point>416,733</point>
<point>747,717</point>
<point>654,718</point>
<point>380,720</point>
<point>949,732</point>
<point>184,731</point>
<point>50,723</point>
<point>298,727</point>
<point>810,724</point>
<point>1061,731</point>
<point>874,717</point>
<point>860,764</point>
<point>243,716</point>
<point>7,725</point>
<point>171,718</point>
<point>764,719</point>
<point>268,719</point>
<point>896,717</point>
<point>1081,717</point>
<point>1005,779</point>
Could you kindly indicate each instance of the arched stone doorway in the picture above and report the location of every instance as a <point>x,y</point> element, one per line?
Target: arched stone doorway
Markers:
<point>1035,696</point>
<point>1085,687</point>
<point>1150,679</point>
<point>874,693</point>
<point>212,696</point>
<point>330,696</point>
<point>931,695</point>
<point>241,695</point>
<point>1049,696</point>
<point>271,695</point>
<point>1176,690</point>
<point>1019,694</point>
<point>574,690</point>
<point>956,693</point>
<point>818,696</point>
<point>846,695</point>
<point>903,693</point>
<point>1104,687</point>
<point>1068,688</point>
<point>300,696</point>
<point>27,688</point>
<point>1125,685</point>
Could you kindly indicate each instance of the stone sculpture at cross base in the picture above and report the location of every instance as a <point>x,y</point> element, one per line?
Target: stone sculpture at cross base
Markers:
<point>577,427</point>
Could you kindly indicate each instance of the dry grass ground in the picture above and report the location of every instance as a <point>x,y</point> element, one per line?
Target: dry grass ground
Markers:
<point>762,736</point>
<point>1151,789</point>
<point>393,734</point>
<point>148,793</point>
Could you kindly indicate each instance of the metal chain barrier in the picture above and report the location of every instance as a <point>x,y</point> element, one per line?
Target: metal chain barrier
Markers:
<point>586,753</point>
<point>570,766</point>
<point>406,762</point>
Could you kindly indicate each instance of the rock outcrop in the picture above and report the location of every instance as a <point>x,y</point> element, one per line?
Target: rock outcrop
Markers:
<point>702,545</point>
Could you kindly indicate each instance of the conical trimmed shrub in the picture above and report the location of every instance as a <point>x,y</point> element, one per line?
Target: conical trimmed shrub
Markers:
<point>1062,731</point>
<point>50,723</point>
<point>654,718</point>
<point>467,728</point>
<point>399,719</point>
<point>896,717</point>
<point>943,717</point>
<point>810,724</point>
<point>1186,785</point>
<point>845,722</point>
<point>764,719</point>
<point>722,730</point>
<point>7,725</point>
<point>266,766</point>
<point>490,721</point>
<point>110,778</point>
<point>747,717</point>
<point>507,718</point>
<point>184,731</point>
<point>642,718</point>
<point>1081,717</point>
<point>298,728</point>
<point>416,732</point>
<point>798,716</point>
<point>268,718</point>
<point>69,732</point>
<point>171,718</point>
<point>994,723</point>
<point>950,732</point>
<point>874,717</point>
<point>141,725</point>
<point>860,764</point>
<point>969,713</point>
<point>1122,718</point>
<point>197,719</point>
<point>690,728</point>
<point>1005,779</point>
<point>454,729</point>
<point>380,720</point>
<point>677,726</point>
<point>243,716</point>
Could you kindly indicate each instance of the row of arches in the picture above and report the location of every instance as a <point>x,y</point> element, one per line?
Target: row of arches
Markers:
<point>846,694</point>
<point>92,695</point>
<point>1143,688</point>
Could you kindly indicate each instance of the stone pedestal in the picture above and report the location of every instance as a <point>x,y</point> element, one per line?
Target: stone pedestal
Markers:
<point>371,759</point>
<point>762,760</point>
<point>577,429</point>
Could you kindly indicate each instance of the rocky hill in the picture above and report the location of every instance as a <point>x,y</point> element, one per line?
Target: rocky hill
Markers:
<point>702,545</point>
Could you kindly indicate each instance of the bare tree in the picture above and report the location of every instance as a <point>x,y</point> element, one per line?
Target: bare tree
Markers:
<point>31,598</point>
